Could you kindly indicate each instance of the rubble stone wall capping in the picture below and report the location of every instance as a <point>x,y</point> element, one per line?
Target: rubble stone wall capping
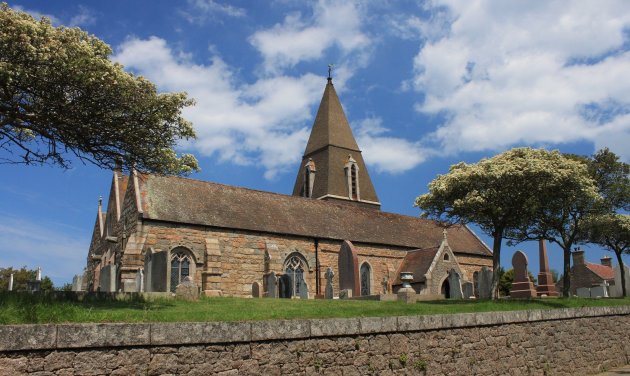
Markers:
<point>562,341</point>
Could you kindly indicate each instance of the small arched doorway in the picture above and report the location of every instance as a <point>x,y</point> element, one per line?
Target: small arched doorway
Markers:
<point>446,289</point>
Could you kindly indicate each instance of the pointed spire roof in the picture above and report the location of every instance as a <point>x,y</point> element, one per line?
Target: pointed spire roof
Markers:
<point>340,174</point>
<point>331,126</point>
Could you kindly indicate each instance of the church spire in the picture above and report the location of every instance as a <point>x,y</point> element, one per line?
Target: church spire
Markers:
<point>341,174</point>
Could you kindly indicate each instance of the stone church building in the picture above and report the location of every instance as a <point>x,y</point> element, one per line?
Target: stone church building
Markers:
<point>156,230</point>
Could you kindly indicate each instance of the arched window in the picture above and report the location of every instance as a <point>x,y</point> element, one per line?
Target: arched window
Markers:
<point>365,279</point>
<point>294,267</point>
<point>309,178</point>
<point>352,175</point>
<point>181,265</point>
<point>446,256</point>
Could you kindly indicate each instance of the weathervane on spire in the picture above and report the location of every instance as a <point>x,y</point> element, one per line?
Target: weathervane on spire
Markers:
<point>330,68</point>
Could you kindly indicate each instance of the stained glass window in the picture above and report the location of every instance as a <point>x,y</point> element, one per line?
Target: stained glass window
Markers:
<point>294,269</point>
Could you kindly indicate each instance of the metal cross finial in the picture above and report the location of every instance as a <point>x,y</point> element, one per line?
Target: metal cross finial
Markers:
<point>330,68</point>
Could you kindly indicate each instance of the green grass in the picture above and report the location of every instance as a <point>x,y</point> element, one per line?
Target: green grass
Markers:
<point>28,308</point>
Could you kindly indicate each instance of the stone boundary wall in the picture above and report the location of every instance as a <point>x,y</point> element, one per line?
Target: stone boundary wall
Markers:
<point>558,341</point>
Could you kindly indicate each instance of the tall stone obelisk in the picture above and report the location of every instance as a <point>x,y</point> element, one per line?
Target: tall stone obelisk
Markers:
<point>545,280</point>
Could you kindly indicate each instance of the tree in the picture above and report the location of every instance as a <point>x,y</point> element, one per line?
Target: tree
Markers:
<point>498,194</point>
<point>565,196</point>
<point>60,95</point>
<point>20,279</point>
<point>611,231</point>
<point>612,178</point>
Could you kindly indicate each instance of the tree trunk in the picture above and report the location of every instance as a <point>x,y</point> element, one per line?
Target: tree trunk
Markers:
<point>566,279</point>
<point>496,262</point>
<point>622,272</point>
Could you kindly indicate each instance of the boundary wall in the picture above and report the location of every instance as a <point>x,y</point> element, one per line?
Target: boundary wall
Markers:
<point>575,341</point>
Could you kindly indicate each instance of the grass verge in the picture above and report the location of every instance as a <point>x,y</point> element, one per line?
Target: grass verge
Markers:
<point>18,308</point>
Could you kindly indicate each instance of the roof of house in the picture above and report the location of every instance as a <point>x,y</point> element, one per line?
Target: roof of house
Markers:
<point>418,263</point>
<point>602,271</point>
<point>183,200</point>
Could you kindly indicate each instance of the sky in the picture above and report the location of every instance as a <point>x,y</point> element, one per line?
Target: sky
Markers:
<point>424,84</point>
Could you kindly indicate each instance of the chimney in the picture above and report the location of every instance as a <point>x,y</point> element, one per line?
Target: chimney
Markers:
<point>607,261</point>
<point>578,257</point>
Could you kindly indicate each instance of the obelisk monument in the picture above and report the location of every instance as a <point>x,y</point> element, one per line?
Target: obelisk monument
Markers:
<point>545,280</point>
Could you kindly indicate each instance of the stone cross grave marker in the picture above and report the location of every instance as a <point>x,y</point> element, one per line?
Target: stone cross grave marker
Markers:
<point>349,269</point>
<point>522,287</point>
<point>255,290</point>
<point>329,293</point>
<point>455,285</point>
<point>272,285</point>
<point>187,290</point>
<point>484,283</point>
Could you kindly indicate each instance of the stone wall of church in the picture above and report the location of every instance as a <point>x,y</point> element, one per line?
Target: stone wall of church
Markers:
<point>231,260</point>
<point>470,264</point>
<point>576,341</point>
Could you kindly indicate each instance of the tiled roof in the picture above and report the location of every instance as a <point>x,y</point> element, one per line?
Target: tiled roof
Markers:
<point>183,200</point>
<point>602,271</point>
<point>417,262</point>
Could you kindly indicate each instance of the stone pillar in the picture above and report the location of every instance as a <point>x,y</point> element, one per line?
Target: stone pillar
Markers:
<point>545,279</point>
<point>11,282</point>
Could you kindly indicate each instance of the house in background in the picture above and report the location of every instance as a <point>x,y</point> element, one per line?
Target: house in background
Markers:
<point>586,274</point>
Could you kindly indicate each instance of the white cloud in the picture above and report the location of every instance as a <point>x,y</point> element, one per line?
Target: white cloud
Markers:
<point>299,38</point>
<point>23,242</point>
<point>37,14</point>
<point>510,73</point>
<point>265,123</point>
<point>387,154</point>
<point>83,18</point>
<point>201,10</point>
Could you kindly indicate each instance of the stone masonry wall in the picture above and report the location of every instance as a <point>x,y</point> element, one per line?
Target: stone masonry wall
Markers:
<point>542,342</point>
<point>231,260</point>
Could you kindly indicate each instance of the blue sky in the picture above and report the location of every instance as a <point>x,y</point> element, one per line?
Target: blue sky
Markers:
<point>424,85</point>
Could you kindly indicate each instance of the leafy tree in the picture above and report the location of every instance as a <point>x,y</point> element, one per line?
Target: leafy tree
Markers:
<point>500,194</point>
<point>60,95</point>
<point>20,279</point>
<point>611,231</point>
<point>612,178</point>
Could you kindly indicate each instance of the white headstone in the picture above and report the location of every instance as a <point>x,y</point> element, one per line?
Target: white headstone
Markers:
<point>11,282</point>
<point>39,274</point>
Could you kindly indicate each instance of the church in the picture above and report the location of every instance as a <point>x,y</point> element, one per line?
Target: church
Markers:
<point>158,230</point>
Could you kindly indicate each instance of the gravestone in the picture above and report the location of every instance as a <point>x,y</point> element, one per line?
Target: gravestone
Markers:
<point>303,293</point>
<point>583,292</point>
<point>156,266</point>
<point>484,283</point>
<point>272,285</point>
<point>600,291</point>
<point>348,263</point>
<point>256,290</point>
<point>107,281</point>
<point>522,287</point>
<point>468,290</point>
<point>616,290</point>
<point>284,286</point>
<point>545,279</point>
<point>77,282</point>
<point>187,290</point>
<point>345,294</point>
<point>329,293</point>
<point>455,285</point>
<point>140,280</point>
